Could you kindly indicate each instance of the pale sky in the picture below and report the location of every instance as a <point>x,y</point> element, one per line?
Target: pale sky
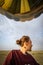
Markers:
<point>11,30</point>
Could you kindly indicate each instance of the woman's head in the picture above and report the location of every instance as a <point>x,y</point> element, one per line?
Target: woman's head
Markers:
<point>25,42</point>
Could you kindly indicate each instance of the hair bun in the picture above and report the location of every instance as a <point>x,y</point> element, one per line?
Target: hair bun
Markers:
<point>18,42</point>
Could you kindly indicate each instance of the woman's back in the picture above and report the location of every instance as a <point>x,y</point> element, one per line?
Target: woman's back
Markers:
<point>16,57</point>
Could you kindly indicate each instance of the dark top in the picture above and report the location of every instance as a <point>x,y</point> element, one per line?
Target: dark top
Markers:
<point>16,57</point>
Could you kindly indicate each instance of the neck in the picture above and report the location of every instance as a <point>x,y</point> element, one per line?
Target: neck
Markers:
<point>23,50</point>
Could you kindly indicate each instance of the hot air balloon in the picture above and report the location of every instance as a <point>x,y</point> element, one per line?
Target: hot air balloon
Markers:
<point>21,9</point>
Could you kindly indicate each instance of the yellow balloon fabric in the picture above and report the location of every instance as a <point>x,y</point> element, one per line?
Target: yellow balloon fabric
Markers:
<point>7,4</point>
<point>1,2</point>
<point>24,6</point>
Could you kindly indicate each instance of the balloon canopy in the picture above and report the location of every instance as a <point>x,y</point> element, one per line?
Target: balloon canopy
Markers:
<point>21,9</point>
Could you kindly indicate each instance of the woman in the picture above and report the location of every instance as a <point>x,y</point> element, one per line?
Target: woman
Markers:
<point>21,57</point>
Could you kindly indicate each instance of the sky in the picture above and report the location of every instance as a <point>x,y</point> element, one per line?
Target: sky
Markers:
<point>11,30</point>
